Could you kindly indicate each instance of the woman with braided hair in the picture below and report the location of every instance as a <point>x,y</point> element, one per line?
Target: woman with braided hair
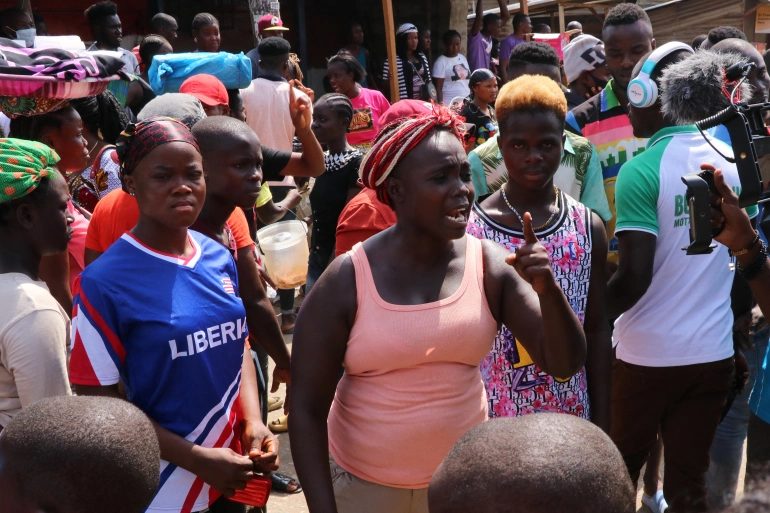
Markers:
<point>337,185</point>
<point>159,312</point>
<point>410,314</point>
<point>34,328</point>
<point>103,121</point>
<point>62,130</point>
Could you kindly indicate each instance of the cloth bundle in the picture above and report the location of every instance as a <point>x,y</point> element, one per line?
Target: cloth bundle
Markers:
<point>55,63</point>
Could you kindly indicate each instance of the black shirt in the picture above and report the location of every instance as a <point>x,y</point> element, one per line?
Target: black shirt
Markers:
<point>330,195</point>
<point>273,162</point>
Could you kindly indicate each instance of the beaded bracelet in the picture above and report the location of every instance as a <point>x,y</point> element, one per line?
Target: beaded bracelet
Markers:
<point>756,266</point>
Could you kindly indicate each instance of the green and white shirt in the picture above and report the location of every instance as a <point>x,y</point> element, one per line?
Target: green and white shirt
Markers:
<point>684,318</point>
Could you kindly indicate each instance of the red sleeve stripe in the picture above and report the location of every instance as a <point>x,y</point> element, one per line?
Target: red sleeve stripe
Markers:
<point>117,346</point>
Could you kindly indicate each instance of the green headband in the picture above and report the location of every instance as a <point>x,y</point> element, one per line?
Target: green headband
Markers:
<point>22,165</point>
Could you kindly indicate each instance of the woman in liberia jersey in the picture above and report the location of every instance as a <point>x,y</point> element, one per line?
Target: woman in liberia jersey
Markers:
<point>159,312</point>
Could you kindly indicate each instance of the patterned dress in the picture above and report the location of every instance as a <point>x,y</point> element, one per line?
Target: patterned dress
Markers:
<point>515,385</point>
<point>92,184</point>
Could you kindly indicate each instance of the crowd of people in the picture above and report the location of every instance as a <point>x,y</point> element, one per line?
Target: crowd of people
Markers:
<point>498,314</point>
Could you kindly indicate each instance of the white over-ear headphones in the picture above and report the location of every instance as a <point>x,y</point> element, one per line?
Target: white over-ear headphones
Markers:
<point>642,91</point>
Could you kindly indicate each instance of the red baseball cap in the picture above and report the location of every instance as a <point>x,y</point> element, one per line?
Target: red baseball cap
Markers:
<point>405,109</point>
<point>207,88</point>
<point>270,22</point>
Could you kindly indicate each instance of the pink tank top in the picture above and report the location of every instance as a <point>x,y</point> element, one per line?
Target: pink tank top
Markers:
<point>412,385</point>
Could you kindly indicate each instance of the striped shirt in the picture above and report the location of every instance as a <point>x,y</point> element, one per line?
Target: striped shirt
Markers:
<point>405,92</point>
<point>604,122</point>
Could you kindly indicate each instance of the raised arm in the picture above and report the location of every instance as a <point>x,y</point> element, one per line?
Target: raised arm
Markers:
<point>317,358</point>
<point>478,21</point>
<point>311,161</point>
<point>504,14</point>
<point>524,296</point>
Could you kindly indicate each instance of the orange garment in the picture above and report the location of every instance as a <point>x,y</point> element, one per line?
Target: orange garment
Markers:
<point>412,385</point>
<point>362,217</point>
<point>118,213</point>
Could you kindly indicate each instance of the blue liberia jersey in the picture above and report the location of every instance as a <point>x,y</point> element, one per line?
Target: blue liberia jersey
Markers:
<point>172,330</point>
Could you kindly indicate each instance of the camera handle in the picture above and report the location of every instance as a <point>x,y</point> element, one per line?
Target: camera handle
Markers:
<point>700,212</point>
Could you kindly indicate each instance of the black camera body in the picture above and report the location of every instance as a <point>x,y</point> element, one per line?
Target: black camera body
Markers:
<point>750,142</point>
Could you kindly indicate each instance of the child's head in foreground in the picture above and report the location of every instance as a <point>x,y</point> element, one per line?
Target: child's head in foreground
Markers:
<point>541,463</point>
<point>78,455</point>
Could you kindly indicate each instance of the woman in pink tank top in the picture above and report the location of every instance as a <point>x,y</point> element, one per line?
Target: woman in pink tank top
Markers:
<point>410,314</point>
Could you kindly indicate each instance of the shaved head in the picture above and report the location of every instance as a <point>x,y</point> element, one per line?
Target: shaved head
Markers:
<point>215,132</point>
<point>540,463</point>
<point>77,455</point>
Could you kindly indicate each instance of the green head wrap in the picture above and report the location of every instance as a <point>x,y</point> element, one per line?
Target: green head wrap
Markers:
<point>22,165</point>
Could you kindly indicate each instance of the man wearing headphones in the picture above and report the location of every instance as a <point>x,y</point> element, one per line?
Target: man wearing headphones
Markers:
<point>674,363</point>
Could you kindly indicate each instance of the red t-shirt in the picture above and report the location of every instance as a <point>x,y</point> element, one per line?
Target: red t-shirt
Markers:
<point>118,213</point>
<point>368,106</point>
<point>362,217</point>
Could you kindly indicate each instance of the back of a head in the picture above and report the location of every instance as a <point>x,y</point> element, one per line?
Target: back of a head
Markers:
<point>535,53</point>
<point>691,90</point>
<point>183,107</point>
<point>698,40</point>
<point>80,454</point>
<point>540,463</point>
<point>626,14</point>
<point>719,34</point>
<point>150,46</point>
<point>736,45</point>
<point>212,132</point>
<point>273,52</point>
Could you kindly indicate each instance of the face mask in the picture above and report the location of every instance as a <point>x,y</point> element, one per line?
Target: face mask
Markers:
<point>27,35</point>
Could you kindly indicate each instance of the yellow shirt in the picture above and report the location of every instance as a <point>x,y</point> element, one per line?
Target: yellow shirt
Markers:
<point>265,196</point>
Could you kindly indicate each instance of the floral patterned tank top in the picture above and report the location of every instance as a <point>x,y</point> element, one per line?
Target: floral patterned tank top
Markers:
<point>515,385</point>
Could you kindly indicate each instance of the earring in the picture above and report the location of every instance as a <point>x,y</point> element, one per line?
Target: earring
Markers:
<point>195,40</point>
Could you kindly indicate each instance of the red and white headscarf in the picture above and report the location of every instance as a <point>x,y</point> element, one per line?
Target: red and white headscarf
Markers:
<point>400,137</point>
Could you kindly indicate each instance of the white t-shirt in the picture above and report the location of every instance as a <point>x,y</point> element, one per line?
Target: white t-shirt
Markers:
<point>684,318</point>
<point>456,74</point>
<point>34,345</point>
<point>267,113</point>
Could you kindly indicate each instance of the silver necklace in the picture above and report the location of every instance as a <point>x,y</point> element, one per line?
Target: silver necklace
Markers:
<point>521,219</point>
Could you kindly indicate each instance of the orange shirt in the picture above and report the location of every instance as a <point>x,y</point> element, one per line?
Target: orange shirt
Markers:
<point>118,212</point>
<point>362,217</point>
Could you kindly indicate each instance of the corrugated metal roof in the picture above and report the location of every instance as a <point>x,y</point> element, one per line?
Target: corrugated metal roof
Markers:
<point>682,20</point>
<point>542,5</point>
